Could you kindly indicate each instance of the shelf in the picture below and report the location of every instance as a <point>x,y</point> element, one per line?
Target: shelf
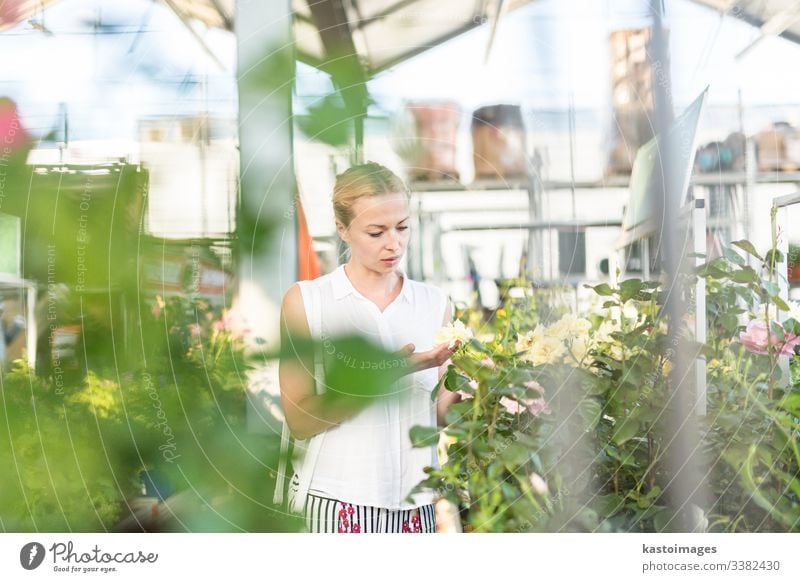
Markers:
<point>788,200</point>
<point>518,183</point>
<point>710,179</point>
<point>543,225</point>
<point>9,281</point>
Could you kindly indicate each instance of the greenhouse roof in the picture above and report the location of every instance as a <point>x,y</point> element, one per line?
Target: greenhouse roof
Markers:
<point>773,17</point>
<point>384,33</point>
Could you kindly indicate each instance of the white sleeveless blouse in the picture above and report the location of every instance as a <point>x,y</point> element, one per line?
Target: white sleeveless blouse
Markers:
<point>368,459</point>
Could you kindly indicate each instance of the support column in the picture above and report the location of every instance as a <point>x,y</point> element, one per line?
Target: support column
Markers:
<point>266,235</point>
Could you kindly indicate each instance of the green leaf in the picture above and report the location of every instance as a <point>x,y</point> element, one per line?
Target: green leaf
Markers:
<point>424,436</point>
<point>603,289</point>
<point>714,272</point>
<point>628,289</point>
<point>729,321</point>
<point>792,325</point>
<point>664,520</point>
<point>354,366</point>
<point>777,329</point>
<point>327,121</point>
<point>509,491</point>
<point>773,256</point>
<point>734,257</point>
<point>650,512</point>
<point>515,455</point>
<point>772,288</point>
<point>780,303</point>
<point>595,386</point>
<point>747,247</point>
<point>608,505</point>
<point>456,432</point>
<point>454,381</point>
<point>476,344</point>
<point>654,493</point>
<point>629,460</point>
<point>625,430</point>
<point>590,411</point>
<point>537,462</point>
<point>745,275</point>
<point>435,391</point>
<point>494,470</point>
<point>520,376</point>
<point>792,403</point>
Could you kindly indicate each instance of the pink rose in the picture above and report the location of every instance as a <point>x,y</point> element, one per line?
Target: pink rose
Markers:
<point>538,406</point>
<point>756,339</point>
<point>538,484</point>
<point>534,385</point>
<point>464,395</point>
<point>789,344</point>
<point>511,405</point>
<point>535,406</point>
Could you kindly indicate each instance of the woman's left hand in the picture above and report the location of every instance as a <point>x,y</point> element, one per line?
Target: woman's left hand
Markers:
<point>431,359</point>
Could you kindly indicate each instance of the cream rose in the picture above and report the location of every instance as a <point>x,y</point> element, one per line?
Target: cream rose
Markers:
<point>452,333</point>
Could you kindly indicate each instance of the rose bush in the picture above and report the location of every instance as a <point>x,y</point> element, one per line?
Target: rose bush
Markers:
<point>561,423</point>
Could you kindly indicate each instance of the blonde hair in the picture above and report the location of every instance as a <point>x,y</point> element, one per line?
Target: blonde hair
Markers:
<point>369,179</point>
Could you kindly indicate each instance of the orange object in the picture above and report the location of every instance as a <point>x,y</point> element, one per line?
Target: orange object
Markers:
<point>308,262</point>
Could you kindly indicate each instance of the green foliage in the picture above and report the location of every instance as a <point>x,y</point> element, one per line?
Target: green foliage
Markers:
<point>75,449</point>
<point>600,447</point>
<point>58,447</point>
<point>750,432</point>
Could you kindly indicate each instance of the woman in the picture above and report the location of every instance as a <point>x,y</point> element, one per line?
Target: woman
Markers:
<point>355,465</point>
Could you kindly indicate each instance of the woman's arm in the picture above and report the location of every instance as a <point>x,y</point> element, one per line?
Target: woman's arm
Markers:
<point>445,398</point>
<point>307,413</point>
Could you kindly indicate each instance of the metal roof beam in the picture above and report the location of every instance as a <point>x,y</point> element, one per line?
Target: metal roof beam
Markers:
<point>341,57</point>
<point>185,20</point>
<point>748,17</point>
<point>424,47</point>
<point>227,19</point>
<point>384,13</point>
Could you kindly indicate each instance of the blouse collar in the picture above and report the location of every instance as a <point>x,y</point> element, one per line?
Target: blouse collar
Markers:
<point>342,286</point>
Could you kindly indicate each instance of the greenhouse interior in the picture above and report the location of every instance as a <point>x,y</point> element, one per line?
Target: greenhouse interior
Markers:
<point>580,311</point>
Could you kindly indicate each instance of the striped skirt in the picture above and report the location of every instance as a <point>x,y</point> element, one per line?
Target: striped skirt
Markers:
<point>325,515</point>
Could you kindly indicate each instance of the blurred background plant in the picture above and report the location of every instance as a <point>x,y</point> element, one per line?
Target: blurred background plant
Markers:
<point>81,451</point>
